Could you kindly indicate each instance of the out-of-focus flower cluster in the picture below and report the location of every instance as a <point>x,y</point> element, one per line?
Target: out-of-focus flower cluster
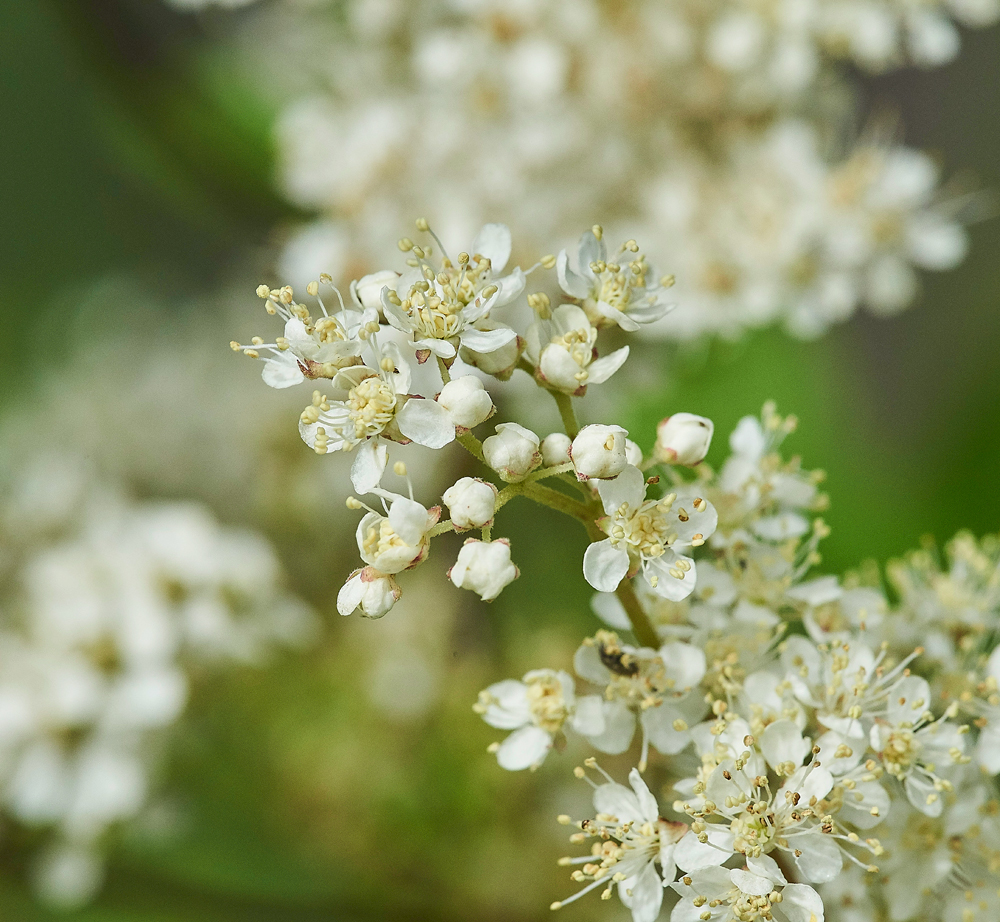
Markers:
<point>109,608</point>
<point>719,132</point>
<point>820,751</point>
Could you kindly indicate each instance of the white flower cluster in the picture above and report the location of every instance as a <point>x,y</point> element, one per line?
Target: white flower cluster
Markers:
<point>820,752</point>
<point>719,130</point>
<point>450,310</point>
<point>107,604</point>
<point>816,762</point>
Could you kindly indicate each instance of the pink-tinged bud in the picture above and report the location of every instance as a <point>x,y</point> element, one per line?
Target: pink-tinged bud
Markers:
<point>484,567</point>
<point>467,401</point>
<point>683,439</point>
<point>471,502</point>
<point>512,452</point>
<point>373,592</point>
<point>599,452</point>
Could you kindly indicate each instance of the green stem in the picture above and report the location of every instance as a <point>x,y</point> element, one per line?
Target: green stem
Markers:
<point>644,631</point>
<point>546,496</point>
<point>443,368</point>
<point>566,411</point>
<point>544,472</point>
<point>441,528</point>
<point>472,445</point>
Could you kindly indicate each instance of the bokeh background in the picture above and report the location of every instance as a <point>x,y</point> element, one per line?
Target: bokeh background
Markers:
<point>350,781</point>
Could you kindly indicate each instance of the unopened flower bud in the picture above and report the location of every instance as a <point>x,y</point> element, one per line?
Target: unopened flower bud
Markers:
<point>368,290</point>
<point>484,567</point>
<point>555,449</point>
<point>467,401</point>
<point>599,452</point>
<point>512,452</point>
<point>373,592</point>
<point>471,502</point>
<point>683,439</point>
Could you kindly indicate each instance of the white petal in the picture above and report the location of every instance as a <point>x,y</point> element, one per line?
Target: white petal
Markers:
<point>610,610</point>
<point>628,487</point>
<point>782,741</point>
<point>691,854</point>
<point>648,807</point>
<point>493,242</point>
<point>643,894</point>
<point>750,883</point>
<point>426,422</point>
<point>909,699</point>
<point>588,665</point>
<point>350,595</point>
<point>524,748</point>
<point>821,858</point>
<point>658,722</point>
<point>603,368</point>
<point>684,663</point>
<point>569,281</point>
<point>510,287</point>
<point>487,341</point>
<point>604,566</point>
<point>800,903</point>
<point>282,370</point>
<point>766,866</point>
<point>616,316</point>
<point>619,728</point>
<point>618,801</point>
<point>588,718</point>
<point>511,709</point>
<point>667,585</point>
<point>408,520</point>
<point>369,465</point>
<point>440,347</point>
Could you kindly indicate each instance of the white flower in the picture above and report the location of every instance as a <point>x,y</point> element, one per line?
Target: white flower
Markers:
<point>377,406</point>
<point>467,401</point>
<point>755,893</point>
<point>632,839</point>
<point>683,439</point>
<point>563,351</point>
<point>598,452</point>
<point>398,541</point>
<point>309,348</point>
<point>651,688</point>
<point>647,535</point>
<point>513,452</point>
<point>916,748</point>
<point>373,592</point>
<point>612,292</point>
<point>555,449</point>
<point>440,307</point>
<point>536,709</point>
<point>471,502</point>
<point>484,567</point>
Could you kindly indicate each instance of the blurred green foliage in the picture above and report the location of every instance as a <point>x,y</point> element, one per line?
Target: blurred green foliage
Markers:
<point>130,146</point>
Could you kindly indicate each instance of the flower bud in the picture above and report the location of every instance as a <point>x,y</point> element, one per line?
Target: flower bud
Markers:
<point>484,567</point>
<point>373,592</point>
<point>555,449</point>
<point>367,290</point>
<point>471,502</point>
<point>512,452</point>
<point>501,362</point>
<point>683,439</point>
<point>467,401</point>
<point>599,452</point>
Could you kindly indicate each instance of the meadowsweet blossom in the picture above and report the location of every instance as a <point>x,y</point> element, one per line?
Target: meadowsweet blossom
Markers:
<point>646,535</point>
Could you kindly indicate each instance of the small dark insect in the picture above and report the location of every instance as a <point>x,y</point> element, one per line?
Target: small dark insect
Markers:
<point>618,661</point>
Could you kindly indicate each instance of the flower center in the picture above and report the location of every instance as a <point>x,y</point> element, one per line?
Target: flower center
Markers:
<point>370,406</point>
<point>547,703</point>
<point>900,752</point>
<point>646,531</point>
<point>381,538</point>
